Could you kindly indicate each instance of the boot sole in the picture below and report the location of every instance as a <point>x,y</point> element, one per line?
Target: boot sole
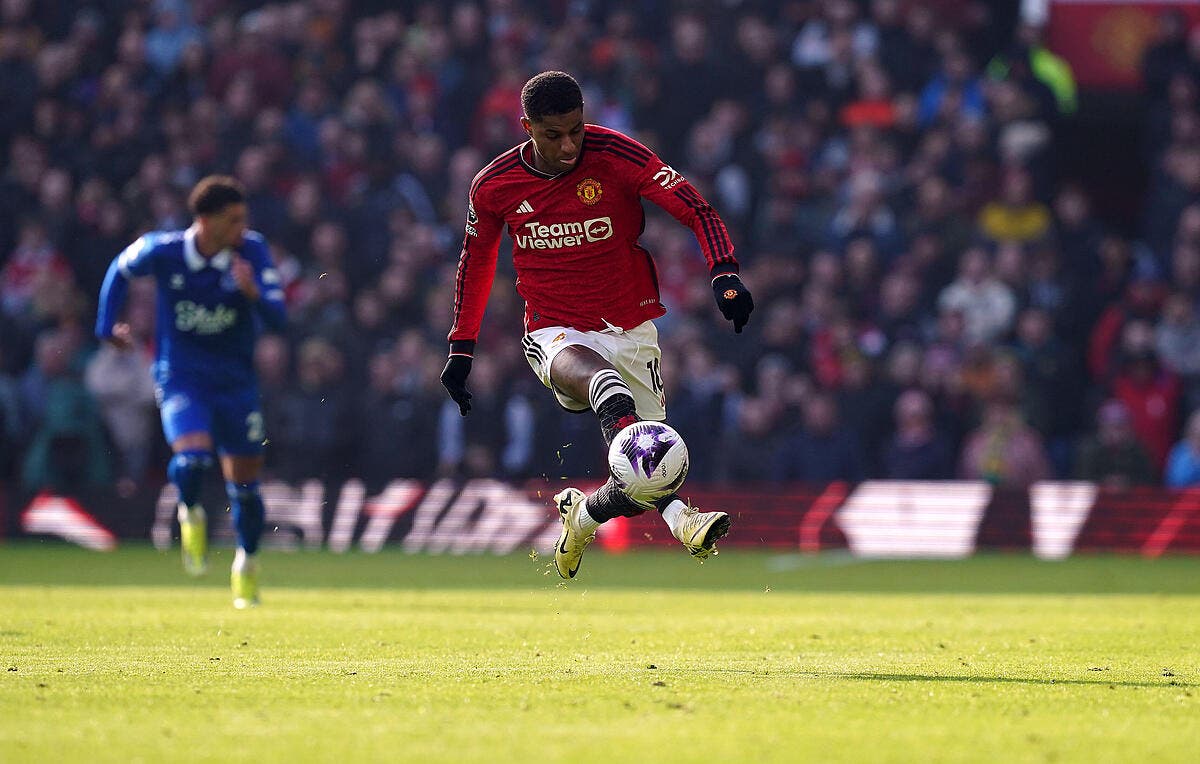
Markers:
<point>716,532</point>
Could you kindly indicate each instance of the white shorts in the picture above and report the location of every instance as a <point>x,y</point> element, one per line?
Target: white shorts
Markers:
<point>634,353</point>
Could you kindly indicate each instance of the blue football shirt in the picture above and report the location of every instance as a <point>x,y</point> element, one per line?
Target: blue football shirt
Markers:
<point>206,328</point>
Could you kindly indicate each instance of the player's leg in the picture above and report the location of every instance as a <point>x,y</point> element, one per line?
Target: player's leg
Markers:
<point>581,516</point>
<point>573,365</point>
<point>638,358</point>
<point>238,430</point>
<point>186,425</point>
<point>583,375</point>
<point>246,504</point>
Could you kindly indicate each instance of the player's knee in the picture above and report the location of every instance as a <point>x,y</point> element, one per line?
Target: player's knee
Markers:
<point>241,468</point>
<point>572,369</point>
<point>243,493</point>
<point>186,470</point>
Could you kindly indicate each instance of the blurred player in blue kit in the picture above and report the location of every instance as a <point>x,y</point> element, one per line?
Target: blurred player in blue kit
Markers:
<point>217,288</point>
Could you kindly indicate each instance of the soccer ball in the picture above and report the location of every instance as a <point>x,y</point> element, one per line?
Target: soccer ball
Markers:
<point>648,460</point>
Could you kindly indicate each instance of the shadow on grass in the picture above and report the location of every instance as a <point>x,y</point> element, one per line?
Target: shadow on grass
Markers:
<point>881,677</point>
<point>875,677</point>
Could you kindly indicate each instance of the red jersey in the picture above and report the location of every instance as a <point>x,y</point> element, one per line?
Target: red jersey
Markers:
<point>575,236</point>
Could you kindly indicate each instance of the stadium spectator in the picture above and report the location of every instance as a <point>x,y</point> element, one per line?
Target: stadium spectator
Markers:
<point>1183,465</point>
<point>396,409</point>
<point>865,401</point>
<point>1120,321</point>
<point>702,390</point>
<point>272,364</point>
<point>35,260</point>
<point>1016,216</point>
<point>120,380</point>
<point>899,315</point>
<point>815,45</point>
<point>987,305</point>
<point>1077,231</point>
<point>865,217</point>
<point>1175,186</point>
<point>1113,457</point>
<point>1152,395</point>
<point>1168,54</point>
<point>497,441</point>
<point>1003,449</point>
<point>1029,57</point>
<point>936,223</point>
<point>317,434</point>
<point>822,449</point>
<point>1177,342</point>
<point>254,62</point>
<point>917,451</point>
<point>172,33</point>
<point>67,450</point>
<point>757,434</point>
<point>374,328</point>
<point>12,419</point>
<point>1098,288</point>
<point>954,92</point>
<point>1052,378</point>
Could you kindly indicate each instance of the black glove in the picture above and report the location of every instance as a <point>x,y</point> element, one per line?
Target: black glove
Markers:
<point>734,300</point>
<point>454,379</point>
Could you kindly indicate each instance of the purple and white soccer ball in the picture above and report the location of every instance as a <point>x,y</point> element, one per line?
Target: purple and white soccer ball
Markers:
<point>648,460</point>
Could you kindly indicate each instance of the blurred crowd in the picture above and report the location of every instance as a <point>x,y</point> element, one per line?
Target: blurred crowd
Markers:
<point>933,300</point>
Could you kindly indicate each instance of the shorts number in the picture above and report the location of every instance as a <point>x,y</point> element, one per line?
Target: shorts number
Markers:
<point>254,426</point>
<point>655,376</point>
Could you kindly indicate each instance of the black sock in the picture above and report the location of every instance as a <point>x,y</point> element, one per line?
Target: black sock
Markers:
<point>612,400</point>
<point>610,501</point>
<point>664,502</point>
<point>616,413</point>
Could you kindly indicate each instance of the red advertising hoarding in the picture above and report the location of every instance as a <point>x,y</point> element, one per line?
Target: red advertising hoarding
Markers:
<point>873,519</point>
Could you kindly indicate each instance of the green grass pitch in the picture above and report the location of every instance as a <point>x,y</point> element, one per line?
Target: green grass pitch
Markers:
<point>648,657</point>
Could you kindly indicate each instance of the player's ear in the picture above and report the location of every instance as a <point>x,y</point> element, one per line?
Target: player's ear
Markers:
<point>527,126</point>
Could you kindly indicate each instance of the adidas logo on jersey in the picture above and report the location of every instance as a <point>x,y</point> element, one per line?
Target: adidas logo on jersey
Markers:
<point>525,207</point>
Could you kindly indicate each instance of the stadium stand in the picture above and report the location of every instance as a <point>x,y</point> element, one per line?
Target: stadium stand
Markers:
<point>934,298</point>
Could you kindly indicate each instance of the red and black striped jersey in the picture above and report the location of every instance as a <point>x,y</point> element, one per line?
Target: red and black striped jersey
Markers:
<point>575,236</point>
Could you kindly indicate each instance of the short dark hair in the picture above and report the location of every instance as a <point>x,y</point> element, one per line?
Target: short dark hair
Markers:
<point>215,193</point>
<point>549,94</point>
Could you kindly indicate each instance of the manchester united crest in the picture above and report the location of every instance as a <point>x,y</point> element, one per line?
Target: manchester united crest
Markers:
<point>589,191</point>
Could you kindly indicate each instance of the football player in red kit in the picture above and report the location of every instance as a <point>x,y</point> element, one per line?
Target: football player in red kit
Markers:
<point>571,197</point>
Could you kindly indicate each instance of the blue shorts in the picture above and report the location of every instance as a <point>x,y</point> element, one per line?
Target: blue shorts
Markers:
<point>232,417</point>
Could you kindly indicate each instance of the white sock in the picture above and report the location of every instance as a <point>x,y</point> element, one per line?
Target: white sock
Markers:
<point>243,562</point>
<point>587,523</point>
<point>192,514</point>
<point>673,514</point>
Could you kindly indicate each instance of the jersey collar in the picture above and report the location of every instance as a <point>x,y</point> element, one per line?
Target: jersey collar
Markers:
<point>535,172</point>
<point>196,261</point>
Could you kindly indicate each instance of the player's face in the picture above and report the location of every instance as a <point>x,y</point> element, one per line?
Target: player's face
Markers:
<point>226,228</point>
<point>557,140</point>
